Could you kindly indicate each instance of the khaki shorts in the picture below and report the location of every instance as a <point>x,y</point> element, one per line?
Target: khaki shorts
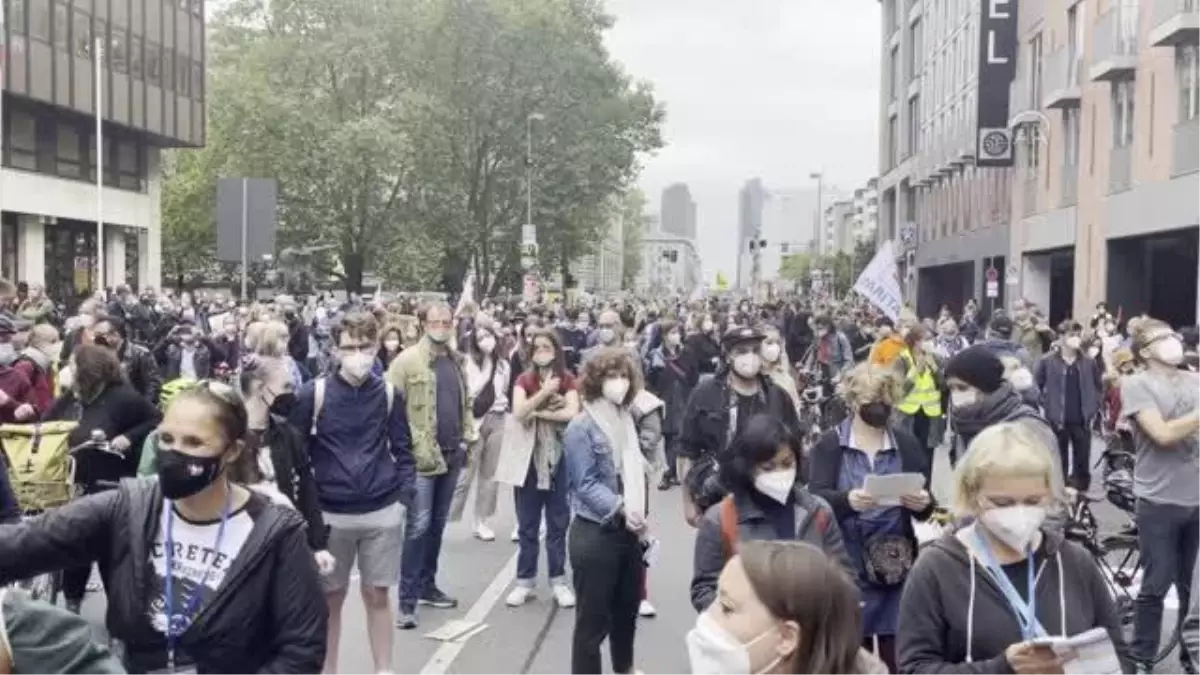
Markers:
<point>374,541</point>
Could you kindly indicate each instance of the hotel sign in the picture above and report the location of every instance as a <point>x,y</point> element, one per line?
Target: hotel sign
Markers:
<point>998,47</point>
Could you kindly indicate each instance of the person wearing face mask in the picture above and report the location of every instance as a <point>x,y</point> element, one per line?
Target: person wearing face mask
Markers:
<point>38,362</point>
<point>609,330</point>
<point>184,354</point>
<point>716,412</point>
<point>487,381</point>
<point>432,379</point>
<point>781,607</point>
<point>17,396</point>
<point>248,600</point>
<point>1017,579</point>
<point>776,364</point>
<point>767,499</point>
<point>227,347</point>
<point>606,469</point>
<point>390,345</point>
<point>1072,388</point>
<point>137,362</point>
<point>671,374</point>
<point>361,452</point>
<point>703,344</point>
<point>867,444</point>
<point>1161,403</point>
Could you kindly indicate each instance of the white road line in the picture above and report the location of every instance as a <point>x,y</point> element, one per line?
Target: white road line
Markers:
<point>440,662</point>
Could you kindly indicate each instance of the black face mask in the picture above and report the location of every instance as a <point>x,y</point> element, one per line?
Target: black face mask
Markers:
<point>876,414</point>
<point>182,476</point>
<point>283,404</point>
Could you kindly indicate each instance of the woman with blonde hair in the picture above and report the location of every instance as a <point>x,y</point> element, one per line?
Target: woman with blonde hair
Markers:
<point>1014,572</point>
<point>782,607</point>
<point>269,339</point>
<point>880,539</point>
<point>776,364</point>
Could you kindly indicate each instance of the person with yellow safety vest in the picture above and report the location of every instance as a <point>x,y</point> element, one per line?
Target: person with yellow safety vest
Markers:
<point>921,408</point>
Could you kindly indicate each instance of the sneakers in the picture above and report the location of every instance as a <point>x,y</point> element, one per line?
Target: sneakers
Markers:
<point>647,610</point>
<point>563,595</point>
<point>407,619</point>
<point>518,596</point>
<point>484,533</point>
<point>436,598</point>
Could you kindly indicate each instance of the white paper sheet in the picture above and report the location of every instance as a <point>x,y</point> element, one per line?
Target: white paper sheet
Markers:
<point>887,490</point>
<point>1094,652</point>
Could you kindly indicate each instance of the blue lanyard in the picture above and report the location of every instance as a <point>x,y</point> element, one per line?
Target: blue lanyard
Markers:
<point>1026,612</point>
<point>174,630</point>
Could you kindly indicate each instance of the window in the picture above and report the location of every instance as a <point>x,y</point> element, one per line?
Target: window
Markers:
<point>70,152</point>
<point>62,26</point>
<point>894,70</point>
<point>914,49</point>
<point>135,57</point>
<point>182,75</point>
<point>117,55</point>
<point>1187,73</point>
<point>39,21</point>
<point>102,36</point>
<point>914,125</point>
<point>168,69</point>
<point>1122,115</point>
<point>22,140</point>
<point>198,7</point>
<point>893,140</point>
<point>197,80</point>
<point>1071,137</point>
<point>16,16</point>
<point>83,35</point>
<point>1035,72</point>
<point>893,12</point>
<point>153,64</point>
<point>1076,16</point>
<point>129,165</point>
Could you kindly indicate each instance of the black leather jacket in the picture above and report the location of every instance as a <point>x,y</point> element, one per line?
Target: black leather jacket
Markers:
<point>269,614</point>
<point>141,370</point>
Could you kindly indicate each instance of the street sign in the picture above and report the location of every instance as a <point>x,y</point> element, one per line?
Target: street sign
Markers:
<point>529,235</point>
<point>993,289</point>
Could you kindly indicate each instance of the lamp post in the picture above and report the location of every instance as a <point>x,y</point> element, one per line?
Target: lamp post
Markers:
<point>529,245</point>
<point>819,218</point>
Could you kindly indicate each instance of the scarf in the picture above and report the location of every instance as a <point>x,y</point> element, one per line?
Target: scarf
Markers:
<point>618,427</point>
<point>1002,405</point>
<point>40,358</point>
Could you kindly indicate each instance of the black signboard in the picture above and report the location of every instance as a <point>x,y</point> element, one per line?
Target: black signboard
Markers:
<point>998,48</point>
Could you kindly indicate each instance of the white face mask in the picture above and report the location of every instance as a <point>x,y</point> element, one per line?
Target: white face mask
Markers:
<point>1073,343</point>
<point>673,339</point>
<point>391,344</point>
<point>713,651</point>
<point>487,344</point>
<point>707,326</point>
<point>747,365</point>
<point>606,335</point>
<point>357,366</point>
<point>776,484</point>
<point>771,352</point>
<point>1014,525</point>
<point>960,399</point>
<point>615,390</point>
<point>1169,351</point>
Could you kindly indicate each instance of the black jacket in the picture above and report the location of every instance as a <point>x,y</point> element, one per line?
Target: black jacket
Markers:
<point>294,477</point>
<point>141,370</point>
<point>268,616</point>
<point>118,411</point>
<point>297,345</point>
<point>705,351</point>
<point>705,430</point>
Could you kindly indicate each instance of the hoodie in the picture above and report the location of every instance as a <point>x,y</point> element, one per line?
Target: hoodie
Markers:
<point>940,633</point>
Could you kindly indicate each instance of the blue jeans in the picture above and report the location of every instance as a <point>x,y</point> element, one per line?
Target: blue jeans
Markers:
<point>426,523</point>
<point>1168,536</point>
<point>531,503</point>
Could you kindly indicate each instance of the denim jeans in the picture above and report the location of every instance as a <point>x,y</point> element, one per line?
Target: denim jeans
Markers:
<point>426,523</point>
<point>1168,536</point>
<point>531,503</point>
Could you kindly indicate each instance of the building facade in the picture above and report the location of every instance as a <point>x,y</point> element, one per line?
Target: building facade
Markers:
<point>751,201</point>
<point>678,211</point>
<point>948,218</point>
<point>836,228</point>
<point>670,264</point>
<point>866,212</point>
<point>152,89</point>
<point>1107,103</point>
<point>601,272</point>
<point>789,226</point>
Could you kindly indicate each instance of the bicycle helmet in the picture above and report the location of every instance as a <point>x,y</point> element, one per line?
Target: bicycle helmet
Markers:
<point>172,389</point>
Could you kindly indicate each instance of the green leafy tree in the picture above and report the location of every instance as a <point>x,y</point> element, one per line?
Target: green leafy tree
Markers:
<point>633,218</point>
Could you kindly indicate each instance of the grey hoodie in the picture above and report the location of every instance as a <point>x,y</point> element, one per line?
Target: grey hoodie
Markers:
<point>954,619</point>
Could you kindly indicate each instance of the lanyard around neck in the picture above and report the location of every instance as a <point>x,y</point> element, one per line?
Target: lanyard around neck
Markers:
<point>1026,611</point>
<point>190,604</point>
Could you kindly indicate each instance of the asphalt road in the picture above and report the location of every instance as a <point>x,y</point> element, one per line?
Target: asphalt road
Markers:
<point>536,638</point>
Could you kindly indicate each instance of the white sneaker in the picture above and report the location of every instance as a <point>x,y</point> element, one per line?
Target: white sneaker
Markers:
<point>646,609</point>
<point>542,531</point>
<point>518,596</point>
<point>484,533</point>
<point>564,596</point>
<point>516,535</point>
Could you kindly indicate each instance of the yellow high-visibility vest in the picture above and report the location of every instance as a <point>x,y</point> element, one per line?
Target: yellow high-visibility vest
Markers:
<point>924,395</point>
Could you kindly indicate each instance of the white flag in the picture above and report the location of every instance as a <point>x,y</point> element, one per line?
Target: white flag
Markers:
<point>468,294</point>
<point>879,283</point>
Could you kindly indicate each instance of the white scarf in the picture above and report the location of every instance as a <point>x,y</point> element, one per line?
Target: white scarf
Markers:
<point>621,432</point>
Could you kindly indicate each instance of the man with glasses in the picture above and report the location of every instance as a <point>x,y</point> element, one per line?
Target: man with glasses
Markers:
<point>362,463</point>
<point>137,362</point>
<point>432,378</point>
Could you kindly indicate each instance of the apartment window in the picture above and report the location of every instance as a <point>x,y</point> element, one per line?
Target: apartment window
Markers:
<point>1187,72</point>
<point>102,36</point>
<point>894,70</point>
<point>1122,116</point>
<point>1076,16</point>
<point>892,142</point>
<point>129,165</point>
<point>16,16</point>
<point>153,64</point>
<point>117,54</point>
<point>39,20</point>
<point>135,57</point>
<point>70,152</point>
<point>198,7</point>
<point>1071,136</point>
<point>914,125</point>
<point>62,26</point>
<point>22,140</point>
<point>914,50</point>
<point>182,75</point>
<point>82,35</point>
<point>1035,71</point>
<point>197,81</point>
<point>168,69</point>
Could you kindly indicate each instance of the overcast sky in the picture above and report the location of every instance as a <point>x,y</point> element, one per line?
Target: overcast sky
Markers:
<point>769,88</point>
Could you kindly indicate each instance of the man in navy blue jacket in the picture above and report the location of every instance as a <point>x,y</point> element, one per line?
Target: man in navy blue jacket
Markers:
<point>362,462</point>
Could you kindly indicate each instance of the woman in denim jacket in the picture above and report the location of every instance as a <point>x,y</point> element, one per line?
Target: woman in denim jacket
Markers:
<point>607,489</point>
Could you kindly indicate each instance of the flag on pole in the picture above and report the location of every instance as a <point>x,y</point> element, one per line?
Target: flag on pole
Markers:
<point>468,294</point>
<point>879,283</point>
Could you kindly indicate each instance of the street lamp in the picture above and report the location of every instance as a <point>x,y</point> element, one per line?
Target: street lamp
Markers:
<point>529,232</point>
<point>820,178</point>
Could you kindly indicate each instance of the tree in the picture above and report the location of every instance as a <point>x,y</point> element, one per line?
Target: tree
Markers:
<point>796,267</point>
<point>633,219</point>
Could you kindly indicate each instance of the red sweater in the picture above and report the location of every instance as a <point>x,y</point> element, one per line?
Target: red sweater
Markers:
<point>41,391</point>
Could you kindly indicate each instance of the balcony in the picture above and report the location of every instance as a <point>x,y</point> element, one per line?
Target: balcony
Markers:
<point>1070,186</point>
<point>1114,51</point>
<point>1019,97</point>
<point>1063,80</point>
<point>1174,22</point>
<point>1120,169</point>
<point>1186,138</point>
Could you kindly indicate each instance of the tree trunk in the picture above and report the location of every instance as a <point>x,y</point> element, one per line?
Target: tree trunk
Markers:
<point>352,264</point>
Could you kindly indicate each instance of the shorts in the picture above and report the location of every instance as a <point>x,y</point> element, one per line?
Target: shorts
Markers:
<point>374,540</point>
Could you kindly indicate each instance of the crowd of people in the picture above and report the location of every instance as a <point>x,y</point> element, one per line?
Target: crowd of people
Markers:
<point>284,445</point>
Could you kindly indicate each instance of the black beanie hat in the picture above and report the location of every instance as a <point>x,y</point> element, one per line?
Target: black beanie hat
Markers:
<point>978,367</point>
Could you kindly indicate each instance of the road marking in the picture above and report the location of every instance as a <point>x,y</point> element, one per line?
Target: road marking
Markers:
<point>439,663</point>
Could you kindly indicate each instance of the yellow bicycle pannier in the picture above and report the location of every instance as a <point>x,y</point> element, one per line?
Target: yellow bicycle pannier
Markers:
<point>39,463</point>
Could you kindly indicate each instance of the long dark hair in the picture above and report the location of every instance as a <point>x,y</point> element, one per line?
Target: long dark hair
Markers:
<point>559,365</point>
<point>96,369</point>
<point>757,443</point>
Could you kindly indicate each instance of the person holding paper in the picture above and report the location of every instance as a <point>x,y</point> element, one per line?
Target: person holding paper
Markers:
<point>986,598</point>
<point>879,539</point>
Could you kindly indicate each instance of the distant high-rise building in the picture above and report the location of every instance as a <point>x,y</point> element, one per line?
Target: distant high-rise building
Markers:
<point>750,217</point>
<point>678,211</point>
